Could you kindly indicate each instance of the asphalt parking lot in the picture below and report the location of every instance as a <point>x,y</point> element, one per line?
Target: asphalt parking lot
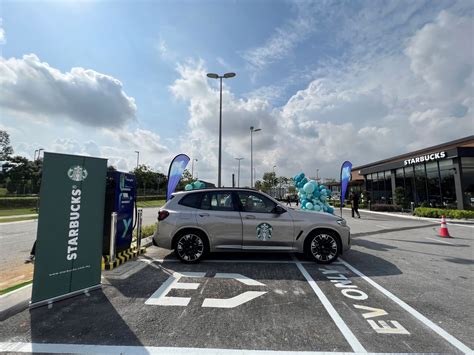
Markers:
<point>401,289</point>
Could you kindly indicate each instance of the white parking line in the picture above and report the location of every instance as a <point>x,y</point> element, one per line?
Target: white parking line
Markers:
<point>448,337</point>
<point>350,337</point>
<point>440,241</point>
<point>115,349</point>
<point>231,261</point>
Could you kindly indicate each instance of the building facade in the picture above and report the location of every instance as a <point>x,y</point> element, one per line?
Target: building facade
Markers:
<point>438,176</point>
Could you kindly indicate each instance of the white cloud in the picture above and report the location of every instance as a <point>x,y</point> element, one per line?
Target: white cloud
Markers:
<point>442,54</point>
<point>376,107</point>
<point>284,40</point>
<point>3,38</point>
<point>31,88</point>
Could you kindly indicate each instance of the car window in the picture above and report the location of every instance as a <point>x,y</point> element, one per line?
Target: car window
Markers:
<point>253,202</point>
<point>191,200</point>
<point>217,201</point>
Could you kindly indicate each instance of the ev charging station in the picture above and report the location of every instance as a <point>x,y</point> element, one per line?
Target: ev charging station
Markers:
<point>121,217</point>
<point>120,197</point>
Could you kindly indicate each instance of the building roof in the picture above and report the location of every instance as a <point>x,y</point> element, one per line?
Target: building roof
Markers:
<point>462,142</point>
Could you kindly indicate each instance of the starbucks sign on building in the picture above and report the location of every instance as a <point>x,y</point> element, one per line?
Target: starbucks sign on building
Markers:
<point>70,226</point>
<point>425,158</point>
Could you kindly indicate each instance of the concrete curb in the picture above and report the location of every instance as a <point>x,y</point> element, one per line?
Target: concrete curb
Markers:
<point>19,216</point>
<point>14,302</point>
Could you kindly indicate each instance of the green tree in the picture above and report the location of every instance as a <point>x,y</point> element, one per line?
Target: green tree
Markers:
<point>5,148</point>
<point>22,175</point>
<point>185,179</point>
<point>269,181</point>
<point>149,181</point>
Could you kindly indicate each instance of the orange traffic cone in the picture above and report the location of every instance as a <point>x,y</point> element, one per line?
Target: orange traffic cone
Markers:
<point>443,232</point>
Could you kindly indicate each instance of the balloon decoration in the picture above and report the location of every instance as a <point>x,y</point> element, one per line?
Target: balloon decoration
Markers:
<point>196,185</point>
<point>313,197</point>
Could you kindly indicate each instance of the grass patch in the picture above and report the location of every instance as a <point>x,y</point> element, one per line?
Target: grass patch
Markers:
<point>3,191</point>
<point>13,288</point>
<point>17,219</point>
<point>17,211</point>
<point>152,203</point>
<point>147,231</point>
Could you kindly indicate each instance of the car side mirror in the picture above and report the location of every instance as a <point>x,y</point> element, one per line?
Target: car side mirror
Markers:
<point>279,210</point>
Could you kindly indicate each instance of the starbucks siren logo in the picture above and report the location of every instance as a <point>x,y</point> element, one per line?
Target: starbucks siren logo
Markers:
<point>77,173</point>
<point>264,231</point>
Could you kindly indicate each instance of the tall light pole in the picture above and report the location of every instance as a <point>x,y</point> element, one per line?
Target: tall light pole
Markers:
<point>274,178</point>
<point>252,129</point>
<point>192,168</point>
<point>216,76</point>
<point>138,157</point>
<point>238,172</point>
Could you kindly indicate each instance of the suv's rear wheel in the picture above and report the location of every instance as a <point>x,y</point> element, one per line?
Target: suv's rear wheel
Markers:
<point>323,246</point>
<point>191,246</point>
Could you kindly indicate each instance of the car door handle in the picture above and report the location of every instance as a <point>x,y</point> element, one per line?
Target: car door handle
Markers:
<point>249,217</point>
<point>203,214</point>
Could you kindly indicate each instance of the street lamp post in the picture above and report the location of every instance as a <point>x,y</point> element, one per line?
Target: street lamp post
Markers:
<point>238,172</point>
<point>192,168</point>
<point>273,180</point>
<point>216,76</point>
<point>138,157</point>
<point>252,129</point>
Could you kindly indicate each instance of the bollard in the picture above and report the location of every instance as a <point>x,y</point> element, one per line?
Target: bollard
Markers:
<point>113,231</point>
<point>139,228</point>
<point>412,206</point>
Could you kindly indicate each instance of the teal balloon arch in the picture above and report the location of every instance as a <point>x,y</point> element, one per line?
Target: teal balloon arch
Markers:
<point>313,197</point>
<point>196,185</point>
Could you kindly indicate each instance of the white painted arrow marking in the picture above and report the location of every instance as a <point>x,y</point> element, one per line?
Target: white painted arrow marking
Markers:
<point>239,277</point>
<point>233,301</point>
<point>159,297</point>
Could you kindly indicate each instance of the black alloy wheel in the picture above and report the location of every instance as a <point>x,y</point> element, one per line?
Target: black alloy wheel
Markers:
<point>190,247</point>
<point>323,247</point>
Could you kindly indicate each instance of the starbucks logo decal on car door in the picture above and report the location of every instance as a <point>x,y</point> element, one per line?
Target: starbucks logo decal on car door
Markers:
<point>264,231</point>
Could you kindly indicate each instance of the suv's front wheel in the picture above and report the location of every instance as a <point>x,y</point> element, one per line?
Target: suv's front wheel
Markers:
<point>191,246</point>
<point>323,247</point>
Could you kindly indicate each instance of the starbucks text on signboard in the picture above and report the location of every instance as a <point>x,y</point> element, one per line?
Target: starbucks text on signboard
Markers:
<point>74,216</point>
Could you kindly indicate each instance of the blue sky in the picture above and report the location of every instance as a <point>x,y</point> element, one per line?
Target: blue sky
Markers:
<point>326,81</point>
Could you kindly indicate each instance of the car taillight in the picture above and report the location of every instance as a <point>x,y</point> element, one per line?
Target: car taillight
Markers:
<point>162,214</point>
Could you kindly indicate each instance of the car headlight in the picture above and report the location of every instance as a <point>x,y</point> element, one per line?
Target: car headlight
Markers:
<point>342,222</point>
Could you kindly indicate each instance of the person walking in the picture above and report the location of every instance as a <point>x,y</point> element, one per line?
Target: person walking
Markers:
<point>31,258</point>
<point>355,204</point>
<point>297,200</point>
<point>288,200</point>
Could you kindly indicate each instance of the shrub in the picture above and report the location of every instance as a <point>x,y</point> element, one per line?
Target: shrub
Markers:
<point>386,207</point>
<point>17,202</point>
<point>147,231</point>
<point>438,212</point>
<point>399,197</point>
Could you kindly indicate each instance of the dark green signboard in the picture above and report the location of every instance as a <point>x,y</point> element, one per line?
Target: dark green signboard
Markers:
<point>69,238</point>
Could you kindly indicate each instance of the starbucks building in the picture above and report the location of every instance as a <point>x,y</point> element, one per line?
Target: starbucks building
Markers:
<point>438,176</point>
